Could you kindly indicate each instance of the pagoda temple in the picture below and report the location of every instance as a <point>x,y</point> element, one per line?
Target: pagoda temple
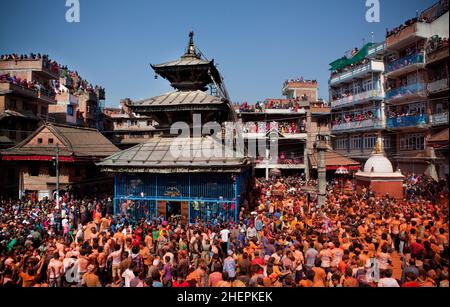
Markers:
<point>176,175</point>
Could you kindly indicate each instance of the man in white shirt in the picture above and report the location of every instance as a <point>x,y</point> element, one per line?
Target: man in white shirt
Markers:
<point>251,233</point>
<point>388,281</point>
<point>224,235</point>
<point>128,275</point>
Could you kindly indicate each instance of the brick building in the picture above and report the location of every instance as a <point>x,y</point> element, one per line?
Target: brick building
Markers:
<point>78,150</point>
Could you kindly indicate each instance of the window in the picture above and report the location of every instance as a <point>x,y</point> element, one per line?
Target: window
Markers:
<point>342,143</point>
<point>370,141</point>
<point>70,110</point>
<point>40,141</point>
<point>50,141</point>
<point>356,88</point>
<point>387,142</point>
<point>355,142</point>
<point>52,170</point>
<point>412,142</point>
<point>368,85</point>
<point>33,170</point>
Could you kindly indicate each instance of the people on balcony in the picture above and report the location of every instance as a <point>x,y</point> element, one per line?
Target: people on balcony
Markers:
<point>440,74</point>
<point>352,118</point>
<point>405,113</point>
<point>435,43</point>
<point>78,85</point>
<point>286,158</point>
<point>289,127</point>
<point>45,88</point>
<point>350,67</point>
<point>274,104</point>
<point>408,57</point>
<point>299,80</point>
<point>50,64</point>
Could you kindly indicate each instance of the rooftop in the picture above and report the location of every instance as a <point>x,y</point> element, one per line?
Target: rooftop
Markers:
<point>165,155</point>
<point>76,142</point>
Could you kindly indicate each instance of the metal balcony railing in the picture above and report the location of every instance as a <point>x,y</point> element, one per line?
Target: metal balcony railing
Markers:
<point>405,91</point>
<point>412,59</point>
<point>350,100</point>
<point>368,123</point>
<point>407,121</point>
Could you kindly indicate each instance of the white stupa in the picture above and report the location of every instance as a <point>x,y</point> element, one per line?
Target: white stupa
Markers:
<point>379,175</point>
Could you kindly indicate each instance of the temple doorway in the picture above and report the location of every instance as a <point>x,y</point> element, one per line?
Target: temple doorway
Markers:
<point>170,210</point>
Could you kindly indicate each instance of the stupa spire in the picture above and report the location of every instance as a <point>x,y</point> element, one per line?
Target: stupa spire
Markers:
<point>191,50</point>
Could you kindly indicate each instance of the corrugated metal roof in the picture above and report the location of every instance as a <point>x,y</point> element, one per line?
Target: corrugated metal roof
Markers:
<point>333,158</point>
<point>177,153</point>
<point>183,61</point>
<point>179,98</point>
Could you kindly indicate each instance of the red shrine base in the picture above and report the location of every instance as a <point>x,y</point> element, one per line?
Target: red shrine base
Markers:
<point>381,187</point>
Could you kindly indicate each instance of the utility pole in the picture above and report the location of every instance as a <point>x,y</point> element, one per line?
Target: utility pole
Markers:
<point>321,147</point>
<point>57,176</point>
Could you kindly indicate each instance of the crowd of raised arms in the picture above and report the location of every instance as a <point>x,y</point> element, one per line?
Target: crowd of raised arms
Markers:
<point>282,239</point>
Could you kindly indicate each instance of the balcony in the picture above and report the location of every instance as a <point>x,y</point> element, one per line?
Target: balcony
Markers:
<point>438,86</point>
<point>369,124</point>
<point>17,89</point>
<point>419,121</point>
<point>439,119</point>
<point>405,65</point>
<point>37,65</point>
<point>417,90</point>
<point>357,99</point>
<point>281,163</point>
<point>47,96</point>
<point>372,66</point>
<point>436,55</point>
<point>407,35</point>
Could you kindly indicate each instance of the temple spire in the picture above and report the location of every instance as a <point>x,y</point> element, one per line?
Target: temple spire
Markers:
<point>190,51</point>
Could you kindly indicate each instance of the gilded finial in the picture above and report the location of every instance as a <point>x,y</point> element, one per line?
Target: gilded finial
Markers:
<point>191,47</point>
<point>379,146</point>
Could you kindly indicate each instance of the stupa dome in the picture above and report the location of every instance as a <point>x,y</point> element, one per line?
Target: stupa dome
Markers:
<point>378,163</point>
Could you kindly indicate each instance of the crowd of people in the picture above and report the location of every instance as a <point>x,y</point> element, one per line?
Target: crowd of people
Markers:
<point>299,80</point>
<point>405,112</point>
<point>436,43</point>
<point>286,127</point>
<point>282,239</point>
<point>410,56</point>
<point>47,62</point>
<point>353,117</point>
<point>427,16</point>
<point>45,88</point>
<point>76,85</point>
<point>273,104</point>
<point>350,67</point>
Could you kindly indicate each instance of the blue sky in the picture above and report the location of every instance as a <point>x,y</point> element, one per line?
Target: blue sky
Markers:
<point>257,44</point>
